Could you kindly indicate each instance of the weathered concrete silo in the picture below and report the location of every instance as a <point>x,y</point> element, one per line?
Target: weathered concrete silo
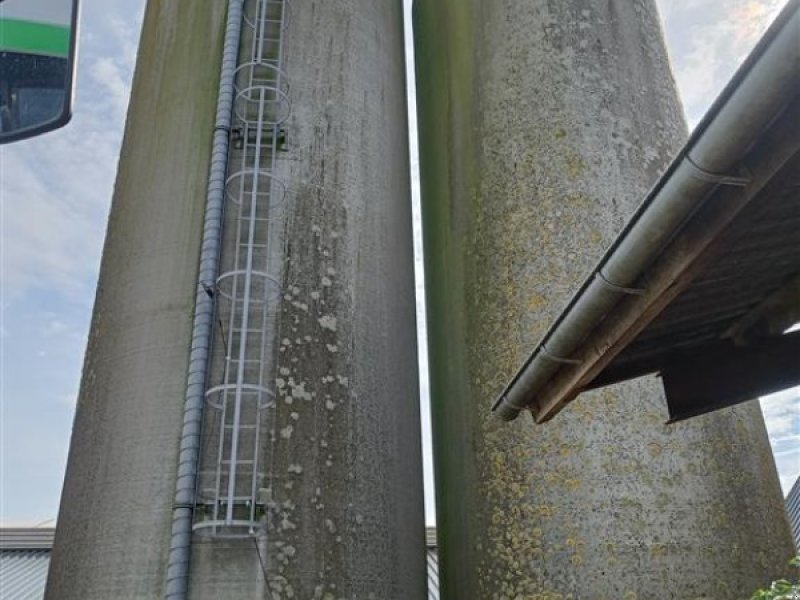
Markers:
<point>541,125</point>
<point>325,500</point>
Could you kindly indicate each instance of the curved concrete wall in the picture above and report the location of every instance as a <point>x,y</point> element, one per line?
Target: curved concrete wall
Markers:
<point>114,522</point>
<point>541,126</point>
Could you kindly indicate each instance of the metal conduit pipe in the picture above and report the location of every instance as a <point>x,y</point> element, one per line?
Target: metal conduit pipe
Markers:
<point>709,160</point>
<point>177,581</point>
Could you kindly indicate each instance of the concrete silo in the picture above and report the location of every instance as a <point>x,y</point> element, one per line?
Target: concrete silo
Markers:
<point>298,428</point>
<point>541,126</point>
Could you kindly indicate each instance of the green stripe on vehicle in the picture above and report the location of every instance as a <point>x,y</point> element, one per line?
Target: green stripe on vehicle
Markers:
<point>34,38</point>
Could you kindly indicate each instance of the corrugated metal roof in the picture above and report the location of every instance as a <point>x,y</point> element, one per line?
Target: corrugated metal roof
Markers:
<point>25,556</point>
<point>26,538</point>
<point>23,574</point>
<point>433,574</point>
<point>433,563</point>
<point>793,509</point>
<point>24,559</point>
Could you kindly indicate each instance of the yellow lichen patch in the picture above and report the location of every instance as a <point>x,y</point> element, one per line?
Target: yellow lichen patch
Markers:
<point>655,449</point>
<point>575,166</point>
<point>536,301</point>
<point>544,511</point>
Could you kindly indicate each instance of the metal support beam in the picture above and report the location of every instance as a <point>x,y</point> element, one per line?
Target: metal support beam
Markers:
<point>723,375</point>
<point>778,312</point>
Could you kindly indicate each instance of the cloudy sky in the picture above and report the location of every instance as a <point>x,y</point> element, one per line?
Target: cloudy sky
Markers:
<point>54,199</point>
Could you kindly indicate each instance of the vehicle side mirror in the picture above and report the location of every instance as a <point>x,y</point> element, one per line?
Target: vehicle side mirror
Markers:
<point>38,44</point>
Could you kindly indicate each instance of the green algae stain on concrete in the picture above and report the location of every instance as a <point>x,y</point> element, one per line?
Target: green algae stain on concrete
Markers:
<point>445,79</point>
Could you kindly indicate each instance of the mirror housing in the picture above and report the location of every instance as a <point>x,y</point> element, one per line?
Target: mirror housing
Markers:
<point>38,48</point>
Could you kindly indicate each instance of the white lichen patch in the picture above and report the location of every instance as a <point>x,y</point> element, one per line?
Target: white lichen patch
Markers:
<point>295,469</point>
<point>327,322</point>
<point>332,347</point>
<point>286,432</point>
<point>299,391</point>
<point>326,282</point>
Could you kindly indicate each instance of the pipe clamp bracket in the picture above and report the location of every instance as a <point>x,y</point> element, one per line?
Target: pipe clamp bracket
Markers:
<point>558,359</point>
<point>620,289</point>
<point>718,178</point>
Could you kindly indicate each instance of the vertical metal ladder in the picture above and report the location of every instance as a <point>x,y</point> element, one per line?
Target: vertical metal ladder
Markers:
<point>239,394</point>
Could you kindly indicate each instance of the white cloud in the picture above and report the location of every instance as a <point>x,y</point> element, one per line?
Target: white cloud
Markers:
<point>419,277</point>
<point>708,40</point>
<point>112,76</point>
<point>57,188</point>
